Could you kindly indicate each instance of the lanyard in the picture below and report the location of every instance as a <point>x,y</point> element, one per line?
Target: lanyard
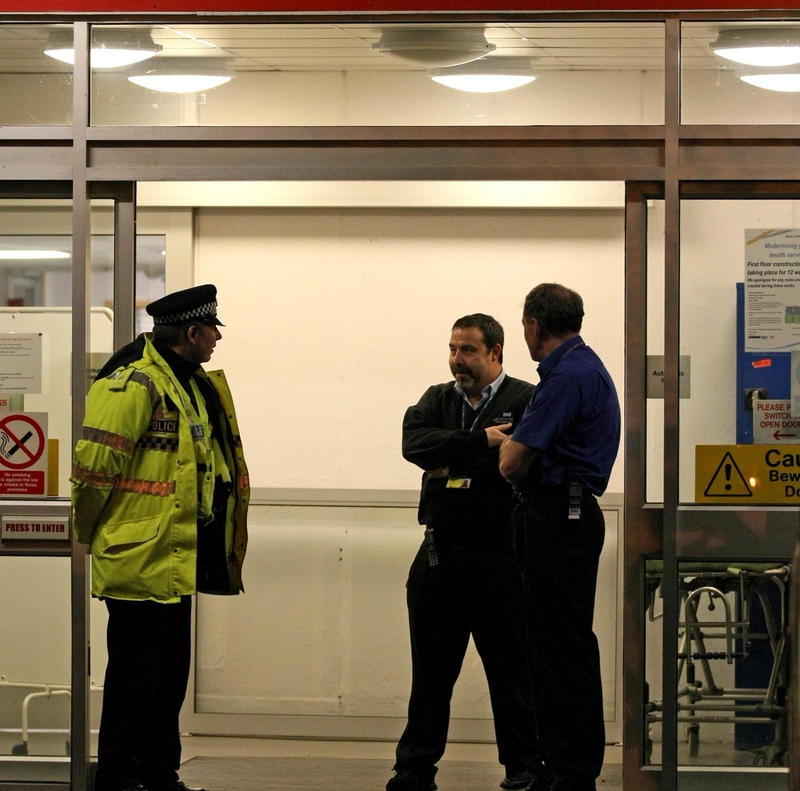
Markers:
<point>480,411</point>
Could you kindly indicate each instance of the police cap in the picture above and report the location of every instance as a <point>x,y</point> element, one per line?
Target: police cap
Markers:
<point>198,303</point>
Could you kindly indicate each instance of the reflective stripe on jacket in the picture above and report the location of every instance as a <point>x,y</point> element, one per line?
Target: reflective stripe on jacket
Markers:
<point>144,479</point>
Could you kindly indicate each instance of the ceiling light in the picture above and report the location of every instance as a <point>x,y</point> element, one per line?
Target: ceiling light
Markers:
<point>182,75</point>
<point>788,83</point>
<point>488,75</point>
<point>779,46</point>
<point>32,255</point>
<point>433,46</point>
<point>111,48</point>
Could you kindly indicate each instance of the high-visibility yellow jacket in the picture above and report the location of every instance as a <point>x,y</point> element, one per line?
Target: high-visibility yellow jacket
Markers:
<point>149,479</point>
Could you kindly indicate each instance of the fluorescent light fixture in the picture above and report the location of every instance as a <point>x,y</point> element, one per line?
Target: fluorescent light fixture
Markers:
<point>32,255</point>
<point>433,46</point>
<point>778,46</point>
<point>182,75</point>
<point>111,48</point>
<point>787,83</point>
<point>487,75</point>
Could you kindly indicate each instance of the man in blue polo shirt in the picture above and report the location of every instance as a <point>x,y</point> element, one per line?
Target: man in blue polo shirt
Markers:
<point>559,459</point>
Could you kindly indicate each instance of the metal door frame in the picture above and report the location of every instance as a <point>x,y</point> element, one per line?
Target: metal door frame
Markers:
<point>666,161</point>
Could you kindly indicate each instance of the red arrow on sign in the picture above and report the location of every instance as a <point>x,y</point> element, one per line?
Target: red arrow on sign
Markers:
<point>778,435</point>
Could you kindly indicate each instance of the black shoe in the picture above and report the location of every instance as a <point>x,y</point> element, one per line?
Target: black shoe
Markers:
<point>520,780</point>
<point>137,787</point>
<point>562,783</point>
<point>542,781</point>
<point>408,781</point>
<point>173,785</point>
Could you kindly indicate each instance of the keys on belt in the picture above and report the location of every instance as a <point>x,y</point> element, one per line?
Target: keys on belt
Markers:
<point>574,506</point>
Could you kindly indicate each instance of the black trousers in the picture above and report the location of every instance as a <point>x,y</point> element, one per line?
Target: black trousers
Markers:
<point>559,559</point>
<point>473,591</point>
<point>149,652</point>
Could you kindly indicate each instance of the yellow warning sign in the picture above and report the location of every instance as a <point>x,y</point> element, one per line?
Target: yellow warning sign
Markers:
<point>739,474</point>
<point>728,480</point>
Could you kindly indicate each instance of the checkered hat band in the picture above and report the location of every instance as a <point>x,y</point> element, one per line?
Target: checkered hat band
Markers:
<point>200,312</point>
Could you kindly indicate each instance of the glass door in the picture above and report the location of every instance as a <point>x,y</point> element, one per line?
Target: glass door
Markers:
<point>50,694</point>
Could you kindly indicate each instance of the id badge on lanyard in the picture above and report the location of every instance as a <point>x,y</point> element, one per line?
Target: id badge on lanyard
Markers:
<point>465,483</point>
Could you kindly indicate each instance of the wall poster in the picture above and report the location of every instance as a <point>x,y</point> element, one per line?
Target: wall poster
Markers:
<point>772,290</point>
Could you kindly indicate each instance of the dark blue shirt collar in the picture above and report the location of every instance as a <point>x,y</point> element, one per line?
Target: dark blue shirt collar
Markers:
<point>557,355</point>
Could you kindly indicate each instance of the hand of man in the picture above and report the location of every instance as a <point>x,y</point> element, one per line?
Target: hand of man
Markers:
<point>496,434</point>
<point>437,473</point>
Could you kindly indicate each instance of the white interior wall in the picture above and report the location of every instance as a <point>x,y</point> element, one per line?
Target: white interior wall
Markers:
<point>348,313</point>
<point>322,630</point>
<point>344,323</point>
<point>352,299</point>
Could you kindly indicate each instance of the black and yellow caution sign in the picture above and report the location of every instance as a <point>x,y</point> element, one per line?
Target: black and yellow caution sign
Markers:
<point>728,480</point>
<point>738,474</point>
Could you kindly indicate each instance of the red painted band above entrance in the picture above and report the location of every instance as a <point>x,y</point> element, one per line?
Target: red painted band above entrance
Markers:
<point>379,6</point>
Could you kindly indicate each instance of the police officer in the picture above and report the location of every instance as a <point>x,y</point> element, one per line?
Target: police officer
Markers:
<point>560,458</point>
<point>464,579</point>
<point>160,491</point>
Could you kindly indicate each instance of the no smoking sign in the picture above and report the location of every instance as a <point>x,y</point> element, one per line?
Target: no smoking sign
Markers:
<point>23,454</point>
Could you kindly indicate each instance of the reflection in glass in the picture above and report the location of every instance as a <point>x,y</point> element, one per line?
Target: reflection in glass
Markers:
<point>653,653</point>
<point>444,46</point>
<point>362,75</point>
<point>37,271</point>
<point>111,47</point>
<point>738,73</point>
<point>35,657</point>
<point>34,89</point>
<point>488,75</point>
<point>35,296</point>
<point>182,75</point>
<point>765,46</point>
<point>654,471</point>
<point>733,669</point>
<point>712,328</point>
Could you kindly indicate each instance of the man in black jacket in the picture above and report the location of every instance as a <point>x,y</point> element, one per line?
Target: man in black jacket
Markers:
<point>464,580</point>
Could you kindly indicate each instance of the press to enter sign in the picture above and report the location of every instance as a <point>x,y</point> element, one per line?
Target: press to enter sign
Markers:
<point>738,474</point>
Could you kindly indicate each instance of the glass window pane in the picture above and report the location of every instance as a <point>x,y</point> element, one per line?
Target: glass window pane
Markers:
<point>713,254</point>
<point>718,90</point>
<point>35,657</point>
<point>655,352</point>
<point>34,88</point>
<point>653,631</point>
<point>36,295</point>
<point>360,75</point>
<point>35,243</point>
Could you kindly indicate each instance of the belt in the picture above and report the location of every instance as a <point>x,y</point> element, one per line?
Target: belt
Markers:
<point>555,491</point>
<point>570,496</point>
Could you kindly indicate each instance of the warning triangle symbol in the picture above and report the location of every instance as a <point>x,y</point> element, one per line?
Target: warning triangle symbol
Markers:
<point>728,480</point>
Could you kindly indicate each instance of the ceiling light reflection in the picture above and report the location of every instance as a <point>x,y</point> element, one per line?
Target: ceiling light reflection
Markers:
<point>182,75</point>
<point>110,48</point>
<point>487,75</point>
<point>787,83</point>
<point>32,255</point>
<point>759,46</point>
